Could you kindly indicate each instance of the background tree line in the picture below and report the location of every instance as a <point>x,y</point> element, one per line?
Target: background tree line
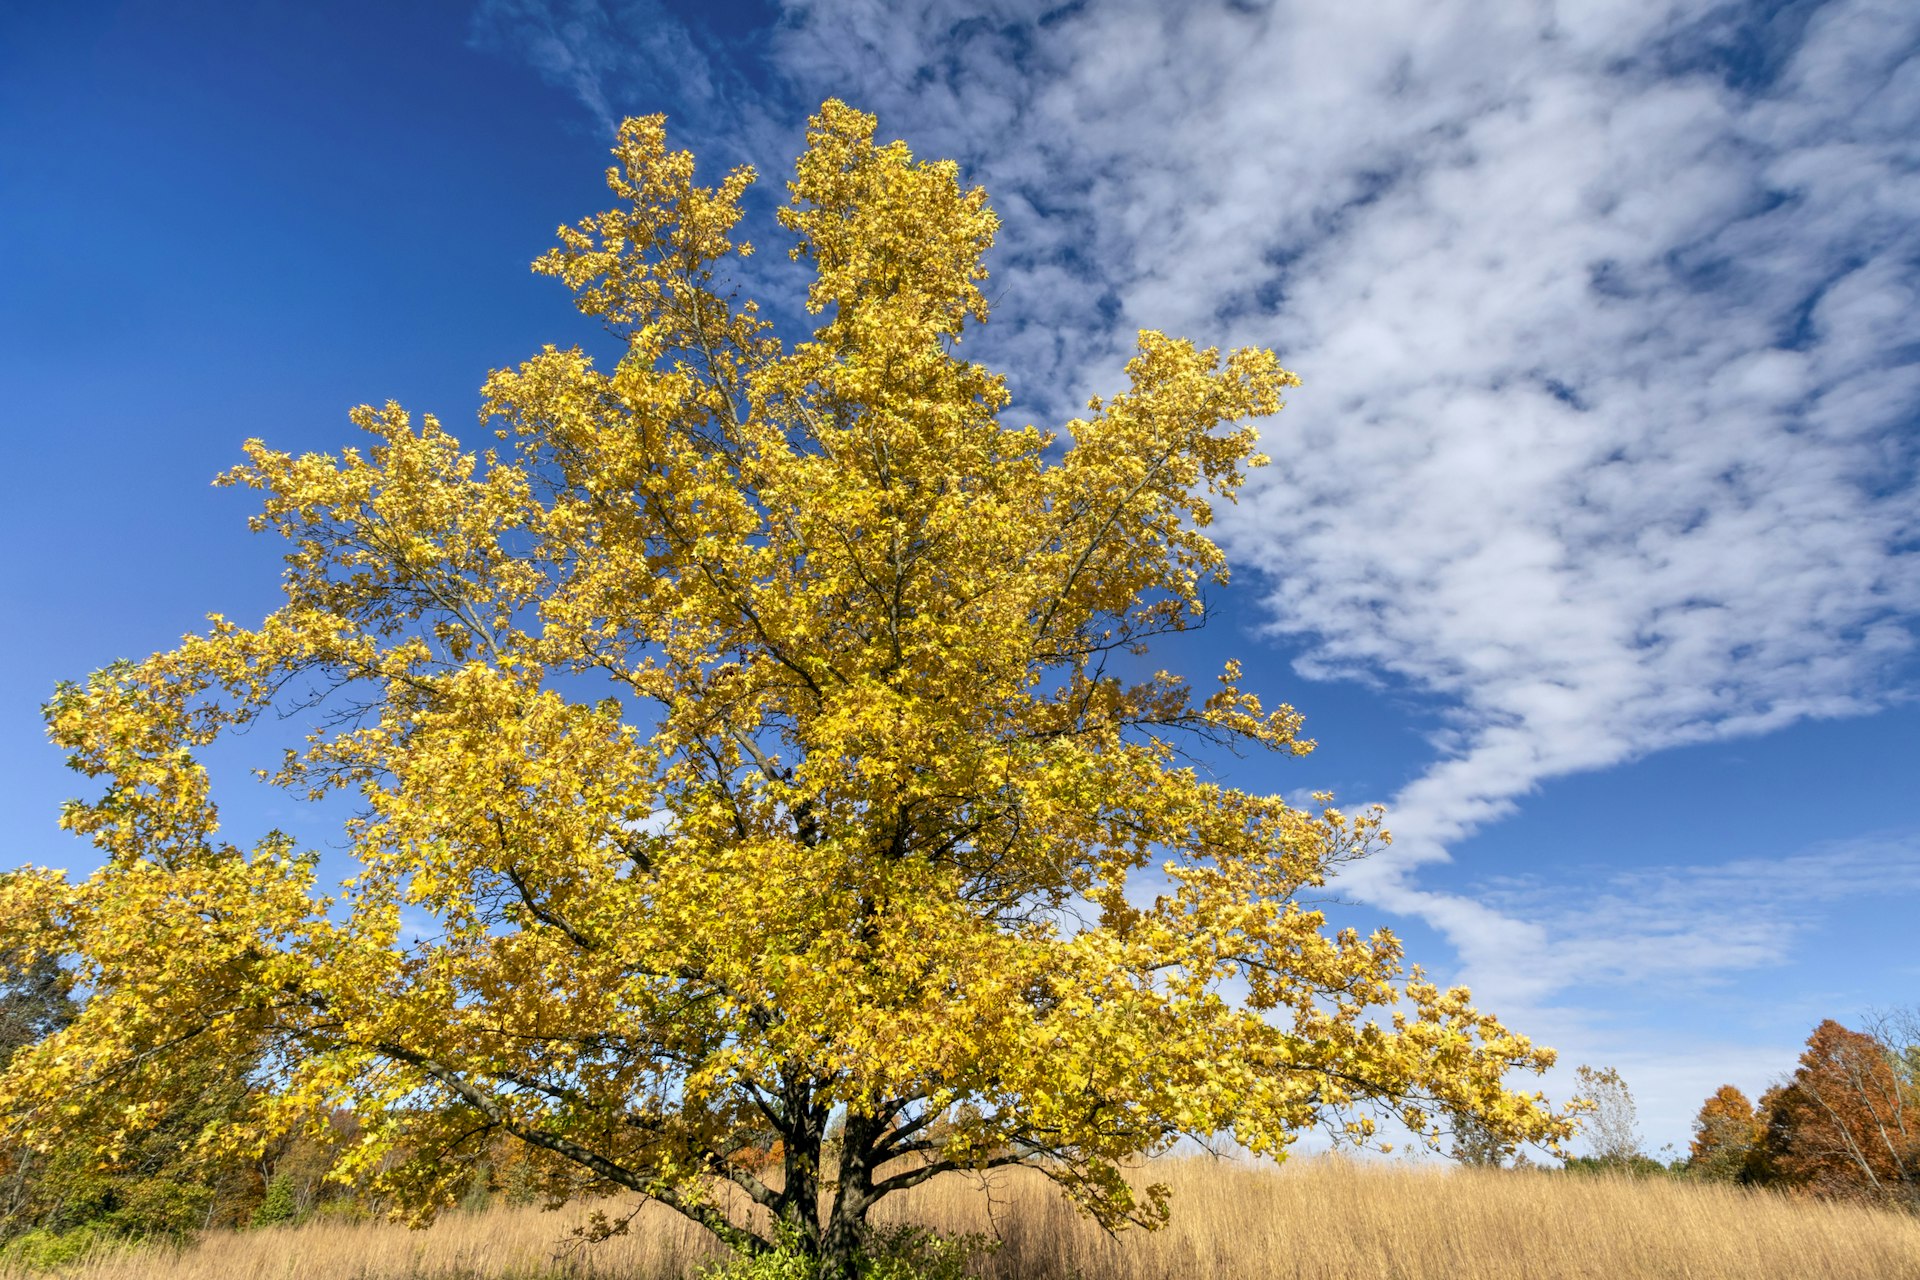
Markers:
<point>1844,1126</point>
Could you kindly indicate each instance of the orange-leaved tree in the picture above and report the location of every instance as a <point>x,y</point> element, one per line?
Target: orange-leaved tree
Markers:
<point>753,732</point>
<point>1724,1135</point>
<point>1847,1123</point>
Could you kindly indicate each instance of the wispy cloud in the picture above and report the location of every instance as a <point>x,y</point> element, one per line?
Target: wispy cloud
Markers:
<point>1689,927</point>
<point>1688,941</point>
<point>1605,314</point>
<point>611,57</point>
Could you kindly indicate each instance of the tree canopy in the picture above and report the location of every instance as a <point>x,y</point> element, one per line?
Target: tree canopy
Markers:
<point>1725,1132</point>
<point>1847,1122</point>
<point>761,733</point>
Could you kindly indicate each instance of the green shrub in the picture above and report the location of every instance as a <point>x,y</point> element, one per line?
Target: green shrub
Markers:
<point>279,1206</point>
<point>1634,1166</point>
<point>785,1261</point>
<point>478,1193</point>
<point>69,1196</point>
<point>914,1253</point>
<point>41,1249</point>
<point>890,1253</point>
<point>160,1207</point>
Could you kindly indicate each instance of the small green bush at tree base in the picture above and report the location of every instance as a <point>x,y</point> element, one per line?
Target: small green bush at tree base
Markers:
<point>906,1252</point>
<point>160,1183</point>
<point>900,1252</point>
<point>279,1206</point>
<point>1478,1146</point>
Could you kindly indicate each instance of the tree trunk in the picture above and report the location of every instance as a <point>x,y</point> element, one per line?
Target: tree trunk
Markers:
<point>798,1211</point>
<point>847,1224</point>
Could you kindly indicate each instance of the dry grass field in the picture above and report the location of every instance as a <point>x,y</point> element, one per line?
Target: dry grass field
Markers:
<point>1314,1220</point>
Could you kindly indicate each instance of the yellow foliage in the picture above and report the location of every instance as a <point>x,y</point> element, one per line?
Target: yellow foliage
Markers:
<point>749,733</point>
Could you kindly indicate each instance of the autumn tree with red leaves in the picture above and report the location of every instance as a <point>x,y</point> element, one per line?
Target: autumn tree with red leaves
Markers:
<point>1847,1123</point>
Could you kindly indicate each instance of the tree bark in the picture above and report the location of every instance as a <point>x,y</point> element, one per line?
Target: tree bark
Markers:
<point>847,1224</point>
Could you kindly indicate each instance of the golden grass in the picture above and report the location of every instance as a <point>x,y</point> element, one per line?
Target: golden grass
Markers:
<point>1313,1220</point>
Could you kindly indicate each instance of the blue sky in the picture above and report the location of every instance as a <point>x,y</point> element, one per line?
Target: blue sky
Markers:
<point>1590,545</point>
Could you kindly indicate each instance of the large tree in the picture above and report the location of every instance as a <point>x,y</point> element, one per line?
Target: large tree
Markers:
<point>764,737</point>
<point>1847,1122</point>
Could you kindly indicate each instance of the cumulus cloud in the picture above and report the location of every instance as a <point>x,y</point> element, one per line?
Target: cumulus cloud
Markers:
<point>1604,311</point>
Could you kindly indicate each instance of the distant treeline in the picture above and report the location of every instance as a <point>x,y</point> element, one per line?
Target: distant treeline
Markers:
<point>1844,1126</point>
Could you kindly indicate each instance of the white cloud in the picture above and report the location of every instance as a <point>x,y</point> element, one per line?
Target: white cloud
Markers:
<point>1603,431</point>
<point>1688,927</point>
<point>1607,435</point>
